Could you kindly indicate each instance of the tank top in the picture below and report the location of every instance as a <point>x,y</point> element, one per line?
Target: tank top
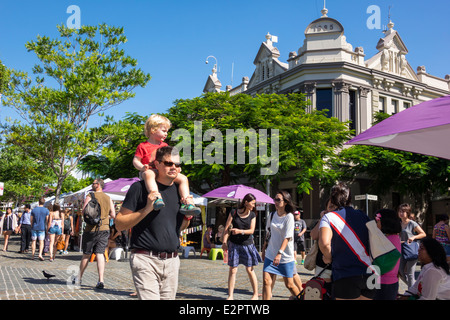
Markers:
<point>243,224</point>
<point>56,222</point>
<point>441,234</point>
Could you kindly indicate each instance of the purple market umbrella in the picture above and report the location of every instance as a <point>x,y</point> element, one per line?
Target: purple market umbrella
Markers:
<point>423,128</point>
<point>119,186</point>
<point>238,192</point>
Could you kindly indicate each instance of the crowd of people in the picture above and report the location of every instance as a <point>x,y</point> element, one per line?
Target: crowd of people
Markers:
<point>343,259</point>
<point>158,207</point>
<point>49,229</point>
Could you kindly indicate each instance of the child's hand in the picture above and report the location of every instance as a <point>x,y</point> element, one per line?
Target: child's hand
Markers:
<point>144,167</point>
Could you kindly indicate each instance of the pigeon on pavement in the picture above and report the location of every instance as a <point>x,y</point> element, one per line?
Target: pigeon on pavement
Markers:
<point>48,275</point>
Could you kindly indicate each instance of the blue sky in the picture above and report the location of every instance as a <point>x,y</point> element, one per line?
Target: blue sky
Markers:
<point>171,39</point>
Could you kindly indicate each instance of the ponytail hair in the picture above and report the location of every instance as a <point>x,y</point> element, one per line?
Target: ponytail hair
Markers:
<point>340,195</point>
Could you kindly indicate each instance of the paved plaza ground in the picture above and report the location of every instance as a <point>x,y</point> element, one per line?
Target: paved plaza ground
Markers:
<point>200,278</point>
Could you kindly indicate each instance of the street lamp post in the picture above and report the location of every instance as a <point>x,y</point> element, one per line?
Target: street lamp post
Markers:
<point>214,70</point>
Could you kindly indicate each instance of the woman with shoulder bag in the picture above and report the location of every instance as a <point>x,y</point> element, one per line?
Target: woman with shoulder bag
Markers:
<point>278,254</point>
<point>238,241</point>
<point>322,268</point>
<point>411,231</point>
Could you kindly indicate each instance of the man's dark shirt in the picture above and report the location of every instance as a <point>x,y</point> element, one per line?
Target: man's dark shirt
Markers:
<point>159,230</point>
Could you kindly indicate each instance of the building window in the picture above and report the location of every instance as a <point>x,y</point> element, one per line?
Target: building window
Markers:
<point>394,104</point>
<point>382,104</point>
<point>324,100</point>
<point>352,111</point>
<point>406,105</point>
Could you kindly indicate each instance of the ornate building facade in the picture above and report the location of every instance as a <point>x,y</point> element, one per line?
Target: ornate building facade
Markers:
<point>336,77</point>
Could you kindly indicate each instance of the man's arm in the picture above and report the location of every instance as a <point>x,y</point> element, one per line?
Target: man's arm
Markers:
<point>112,210</point>
<point>304,228</point>
<point>325,235</point>
<point>86,201</point>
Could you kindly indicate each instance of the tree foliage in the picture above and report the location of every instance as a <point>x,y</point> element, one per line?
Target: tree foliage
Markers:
<point>114,160</point>
<point>306,143</point>
<point>413,175</point>
<point>25,179</point>
<point>82,73</point>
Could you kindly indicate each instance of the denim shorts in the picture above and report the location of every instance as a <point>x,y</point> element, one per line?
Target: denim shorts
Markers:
<point>447,249</point>
<point>55,230</point>
<point>40,235</point>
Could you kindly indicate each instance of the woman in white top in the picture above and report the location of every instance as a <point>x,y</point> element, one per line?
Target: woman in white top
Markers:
<point>278,253</point>
<point>433,282</point>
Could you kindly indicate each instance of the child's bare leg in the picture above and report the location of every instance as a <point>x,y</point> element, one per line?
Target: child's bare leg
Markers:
<point>183,188</point>
<point>149,177</point>
<point>187,200</point>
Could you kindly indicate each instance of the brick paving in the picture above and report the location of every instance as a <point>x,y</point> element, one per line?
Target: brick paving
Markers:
<point>200,279</point>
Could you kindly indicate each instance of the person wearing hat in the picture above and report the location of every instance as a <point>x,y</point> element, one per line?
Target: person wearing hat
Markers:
<point>299,235</point>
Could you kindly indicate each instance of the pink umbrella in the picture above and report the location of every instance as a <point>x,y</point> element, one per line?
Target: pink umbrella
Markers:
<point>423,128</point>
<point>238,192</point>
<point>119,186</point>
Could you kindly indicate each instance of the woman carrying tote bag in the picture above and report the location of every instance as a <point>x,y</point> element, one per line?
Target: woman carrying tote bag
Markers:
<point>411,231</point>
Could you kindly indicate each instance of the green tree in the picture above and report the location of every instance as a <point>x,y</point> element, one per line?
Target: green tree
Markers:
<point>413,175</point>
<point>306,143</point>
<point>3,78</point>
<point>114,160</point>
<point>82,73</point>
<point>24,178</point>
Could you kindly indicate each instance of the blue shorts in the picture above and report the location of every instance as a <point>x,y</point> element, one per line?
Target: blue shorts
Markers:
<point>447,249</point>
<point>40,235</point>
<point>55,230</point>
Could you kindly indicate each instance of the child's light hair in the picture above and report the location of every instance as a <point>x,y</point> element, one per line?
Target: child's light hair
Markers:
<point>153,123</point>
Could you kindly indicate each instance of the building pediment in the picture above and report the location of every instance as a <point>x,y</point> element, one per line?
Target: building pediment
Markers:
<point>267,63</point>
<point>266,51</point>
<point>324,25</point>
<point>392,40</point>
<point>391,56</point>
<point>213,84</point>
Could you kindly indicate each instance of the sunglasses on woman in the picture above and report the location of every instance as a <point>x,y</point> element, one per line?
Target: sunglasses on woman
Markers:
<point>278,199</point>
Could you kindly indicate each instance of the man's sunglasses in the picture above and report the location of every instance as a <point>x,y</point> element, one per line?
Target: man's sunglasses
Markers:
<point>170,164</point>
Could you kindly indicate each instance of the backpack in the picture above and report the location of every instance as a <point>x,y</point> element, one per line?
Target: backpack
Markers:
<point>315,289</point>
<point>92,212</point>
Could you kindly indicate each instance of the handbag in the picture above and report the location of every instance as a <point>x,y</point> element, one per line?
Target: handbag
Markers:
<point>268,233</point>
<point>384,254</point>
<point>410,251</point>
<point>310,259</point>
<point>60,245</point>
